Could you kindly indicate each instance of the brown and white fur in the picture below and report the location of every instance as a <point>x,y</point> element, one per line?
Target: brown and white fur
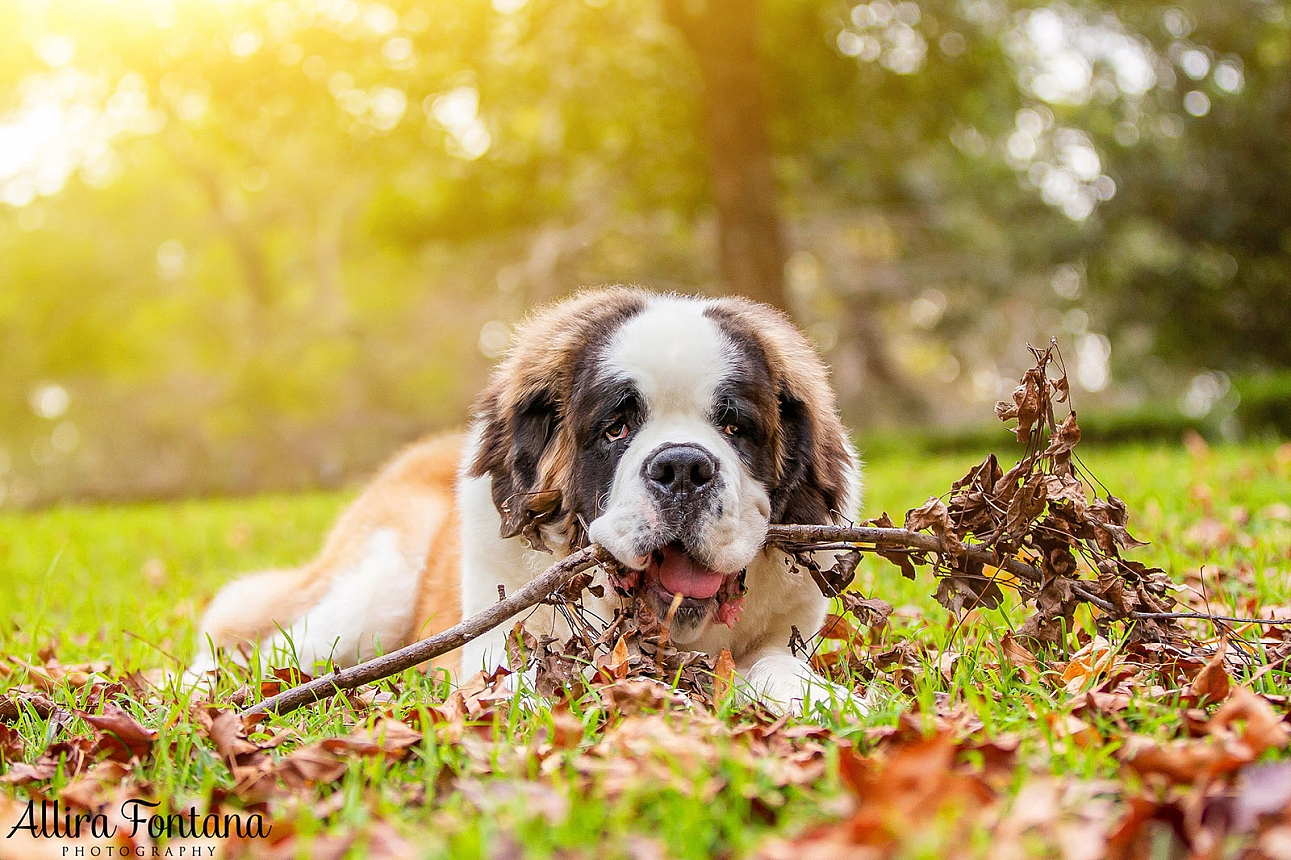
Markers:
<point>674,430</point>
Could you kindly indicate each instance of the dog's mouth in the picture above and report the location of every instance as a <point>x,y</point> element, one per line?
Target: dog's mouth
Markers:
<point>679,573</point>
<point>670,571</point>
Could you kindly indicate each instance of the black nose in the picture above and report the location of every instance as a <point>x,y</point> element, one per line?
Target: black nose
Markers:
<point>679,470</point>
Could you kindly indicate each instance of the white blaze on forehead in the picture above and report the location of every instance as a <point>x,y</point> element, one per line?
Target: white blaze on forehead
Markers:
<point>676,356</point>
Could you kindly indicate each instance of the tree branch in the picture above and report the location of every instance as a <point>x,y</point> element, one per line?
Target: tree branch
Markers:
<point>788,537</point>
<point>808,537</point>
<point>887,538</point>
<point>891,538</point>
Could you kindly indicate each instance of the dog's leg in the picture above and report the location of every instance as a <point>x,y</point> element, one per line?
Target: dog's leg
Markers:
<point>783,604</point>
<point>243,613</point>
<point>366,609</point>
<point>787,684</point>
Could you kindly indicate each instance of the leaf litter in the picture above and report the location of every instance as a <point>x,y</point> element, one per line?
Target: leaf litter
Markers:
<point>617,709</point>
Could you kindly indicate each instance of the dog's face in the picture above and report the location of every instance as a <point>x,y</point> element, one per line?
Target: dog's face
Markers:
<point>674,430</point>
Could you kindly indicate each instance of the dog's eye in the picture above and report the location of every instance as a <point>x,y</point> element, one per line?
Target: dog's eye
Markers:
<point>733,430</point>
<point>617,431</point>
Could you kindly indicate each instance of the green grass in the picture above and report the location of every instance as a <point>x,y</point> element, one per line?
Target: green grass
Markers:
<point>124,586</point>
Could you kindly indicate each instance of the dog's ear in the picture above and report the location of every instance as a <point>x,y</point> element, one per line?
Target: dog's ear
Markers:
<point>512,444</point>
<point>818,470</point>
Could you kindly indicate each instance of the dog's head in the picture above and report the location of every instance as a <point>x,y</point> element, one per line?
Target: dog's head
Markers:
<point>674,429</point>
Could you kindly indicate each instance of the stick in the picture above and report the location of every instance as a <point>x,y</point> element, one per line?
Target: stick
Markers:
<point>896,539</point>
<point>906,539</point>
<point>562,571</point>
<point>441,643</point>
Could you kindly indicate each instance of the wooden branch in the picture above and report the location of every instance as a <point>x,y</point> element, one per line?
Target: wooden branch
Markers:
<point>892,538</point>
<point>786,536</point>
<point>441,643</point>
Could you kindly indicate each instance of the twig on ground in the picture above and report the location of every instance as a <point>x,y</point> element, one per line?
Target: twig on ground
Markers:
<point>792,538</point>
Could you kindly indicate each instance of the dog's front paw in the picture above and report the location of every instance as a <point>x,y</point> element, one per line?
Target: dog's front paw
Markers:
<point>787,685</point>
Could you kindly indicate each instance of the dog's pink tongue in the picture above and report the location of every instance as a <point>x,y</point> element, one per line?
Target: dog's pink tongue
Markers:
<point>681,575</point>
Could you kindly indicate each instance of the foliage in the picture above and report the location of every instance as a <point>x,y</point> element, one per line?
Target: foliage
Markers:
<point>1196,247</point>
<point>261,243</point>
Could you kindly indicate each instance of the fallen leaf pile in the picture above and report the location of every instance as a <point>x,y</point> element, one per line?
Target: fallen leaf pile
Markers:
<point>937,781</point>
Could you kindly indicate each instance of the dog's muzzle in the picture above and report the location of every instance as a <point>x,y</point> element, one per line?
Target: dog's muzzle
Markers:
<point>684,486</point>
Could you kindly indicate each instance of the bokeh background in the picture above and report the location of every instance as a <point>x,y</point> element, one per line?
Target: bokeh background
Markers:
<point>255,244</point>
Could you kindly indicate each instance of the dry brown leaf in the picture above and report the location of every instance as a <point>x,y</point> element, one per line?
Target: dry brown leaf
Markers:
<point>932,514</point>
<point>836,627</point>
<point>1263,729</point>
<point>967,587</point>
<point>1090,664</point>
<point>22,773</point>
<point>1263,792</point>
<point>1063,439</point>
<point>1212,682</point>
<point>1180,762</point>
<point>309,766</point>
<point>1016,653</point>
<point>870,611</point>
<point>619,656</point>
<point>121,735</point>
<point>1066,490</point>
<point>389,738</point>
<point>93,788</point>
<point>1026,504</point>
<point>522,648</point>
<point>11,745</point>
<point>13,705</point>
<point>901,558</point>
<point>1068,727</point>
<point>723,675</point>
<point>896,796</point>
<point>526,513</point>
<point>1226,750</point>
<point>567,730</point>
<point>1094,702</point>
<point>1030,404</point>
<point>228,732</point>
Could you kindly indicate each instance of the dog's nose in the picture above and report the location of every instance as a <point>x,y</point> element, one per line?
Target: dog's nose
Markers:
<point>679,470</point>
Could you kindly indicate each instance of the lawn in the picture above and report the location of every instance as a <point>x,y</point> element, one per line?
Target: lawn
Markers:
<point>967,753</point>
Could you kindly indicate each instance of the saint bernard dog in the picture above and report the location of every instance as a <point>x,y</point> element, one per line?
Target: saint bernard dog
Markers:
<point>672,430</point>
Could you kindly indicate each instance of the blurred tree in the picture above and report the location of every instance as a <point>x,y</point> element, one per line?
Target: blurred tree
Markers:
<point>725,37</point>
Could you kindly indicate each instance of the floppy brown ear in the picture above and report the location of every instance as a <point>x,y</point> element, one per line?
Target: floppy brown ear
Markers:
<point>512,444</point>
<point>817,467</point>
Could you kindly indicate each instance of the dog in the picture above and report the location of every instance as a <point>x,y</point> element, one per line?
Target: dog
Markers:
<point>669,429</point>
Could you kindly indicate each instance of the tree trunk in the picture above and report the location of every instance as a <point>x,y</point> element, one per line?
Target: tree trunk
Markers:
<point>723,34</point>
